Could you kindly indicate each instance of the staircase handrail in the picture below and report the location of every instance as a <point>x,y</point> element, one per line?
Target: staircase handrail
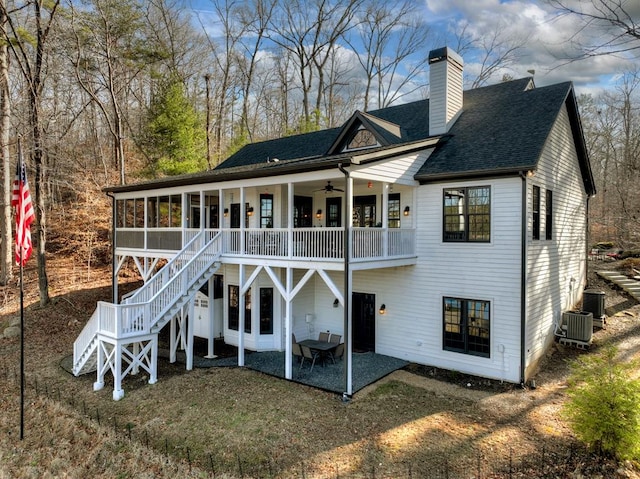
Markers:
<point>181,281</point>
<point>130,319</point>
<point>155,283</point>
<point>86,335</point>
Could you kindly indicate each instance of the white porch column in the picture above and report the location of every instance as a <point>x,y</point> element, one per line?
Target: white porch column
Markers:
<point>288,328</point>
<point>241,310</point>
<point>349,290</point>
<point>243,218</point>
<point>190,324</point>
<point>385,219</point>
<point>203,212</point>
<point>211,319</point>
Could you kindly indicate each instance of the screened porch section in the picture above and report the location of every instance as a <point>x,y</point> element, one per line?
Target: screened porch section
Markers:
<point>301,223</point>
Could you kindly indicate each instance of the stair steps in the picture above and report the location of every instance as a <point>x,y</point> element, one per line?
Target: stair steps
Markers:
<point>631,286</point>
<point>186,264</point>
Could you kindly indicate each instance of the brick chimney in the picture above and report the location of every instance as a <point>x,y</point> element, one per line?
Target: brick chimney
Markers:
<point>445,85</point>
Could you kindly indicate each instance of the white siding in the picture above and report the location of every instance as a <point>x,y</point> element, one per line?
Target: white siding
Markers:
<point>412,327</point>
<point>555,268</point>
<point>397,170</point>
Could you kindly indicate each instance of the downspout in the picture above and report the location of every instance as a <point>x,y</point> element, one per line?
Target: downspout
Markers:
<point>114,262</point>
<point>523,280</point>
<point>347,365</point>
<point>587,247</point>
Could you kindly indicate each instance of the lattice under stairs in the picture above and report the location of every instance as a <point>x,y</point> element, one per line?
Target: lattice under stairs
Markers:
<point>122,338</point>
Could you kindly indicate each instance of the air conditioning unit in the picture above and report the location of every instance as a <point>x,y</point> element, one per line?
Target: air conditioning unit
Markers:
<point>579,325</point>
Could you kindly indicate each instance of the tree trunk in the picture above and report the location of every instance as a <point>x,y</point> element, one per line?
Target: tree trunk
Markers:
<point>38,159</point>
<point>5,112</point>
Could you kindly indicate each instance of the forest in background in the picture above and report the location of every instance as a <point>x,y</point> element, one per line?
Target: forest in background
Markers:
<point>107,92</point>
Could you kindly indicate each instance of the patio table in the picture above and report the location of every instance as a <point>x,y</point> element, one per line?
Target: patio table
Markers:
<point>323,347</point>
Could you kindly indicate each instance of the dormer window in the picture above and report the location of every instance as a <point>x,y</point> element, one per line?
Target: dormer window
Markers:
<point>362,139</point>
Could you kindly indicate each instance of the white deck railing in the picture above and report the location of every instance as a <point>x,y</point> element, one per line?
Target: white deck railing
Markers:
<point>305,244</point>
<point>319,243</point>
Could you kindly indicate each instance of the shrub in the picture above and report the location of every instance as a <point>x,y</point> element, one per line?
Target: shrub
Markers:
<point>604,404</point>
<point>632,253</point>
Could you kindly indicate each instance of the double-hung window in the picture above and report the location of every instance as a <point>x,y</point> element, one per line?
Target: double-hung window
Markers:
<point>535,207</point>
<point>467,326</point>
<point>467,214</point>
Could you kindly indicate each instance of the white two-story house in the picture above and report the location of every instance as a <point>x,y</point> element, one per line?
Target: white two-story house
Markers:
<point>449,232</point>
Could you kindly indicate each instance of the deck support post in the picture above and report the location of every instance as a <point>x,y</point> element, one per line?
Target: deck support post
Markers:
<point>118,392</point>
<point>241,314</point>
<point>172,340</point>
<point>190,323</point>
<point>288,323</point>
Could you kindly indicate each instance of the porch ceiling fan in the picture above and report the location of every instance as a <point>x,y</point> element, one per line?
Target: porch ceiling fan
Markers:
<point>329,188</point>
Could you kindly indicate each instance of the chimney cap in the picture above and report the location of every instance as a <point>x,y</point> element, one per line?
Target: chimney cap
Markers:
<point>444,53</point>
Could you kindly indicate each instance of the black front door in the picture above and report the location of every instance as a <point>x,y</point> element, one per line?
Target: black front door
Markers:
<point>363,316</point>
<point>334,212</point>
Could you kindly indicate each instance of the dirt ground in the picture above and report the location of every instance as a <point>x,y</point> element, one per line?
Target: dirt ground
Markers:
<point>410,419</point>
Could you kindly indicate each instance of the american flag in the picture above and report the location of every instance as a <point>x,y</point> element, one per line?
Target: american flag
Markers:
<point>25,215</point>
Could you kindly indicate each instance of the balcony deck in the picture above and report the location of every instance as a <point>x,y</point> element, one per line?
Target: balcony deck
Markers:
<point>369,247</point>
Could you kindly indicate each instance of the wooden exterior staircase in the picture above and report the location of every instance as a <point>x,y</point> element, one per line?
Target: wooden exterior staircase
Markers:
<point>124,337</point>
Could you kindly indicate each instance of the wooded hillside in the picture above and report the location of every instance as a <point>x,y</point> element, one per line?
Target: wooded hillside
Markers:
<point>113,91</point>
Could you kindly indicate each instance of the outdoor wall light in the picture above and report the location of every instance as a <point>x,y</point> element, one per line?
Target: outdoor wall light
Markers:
<point>319,214</point>
<point>226,212</point>
<point>383,309</point>
<point>336,303</point>
<point>406,210</point>
<point>250,211</point>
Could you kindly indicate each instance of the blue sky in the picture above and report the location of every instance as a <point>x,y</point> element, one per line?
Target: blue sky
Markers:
<point>546,34</point>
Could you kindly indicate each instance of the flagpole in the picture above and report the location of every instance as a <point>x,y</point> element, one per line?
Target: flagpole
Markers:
<point>21,350</point>
<point>20,159</point>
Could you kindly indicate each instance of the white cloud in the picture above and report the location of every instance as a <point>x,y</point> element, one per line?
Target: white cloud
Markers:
<point>550,37</point>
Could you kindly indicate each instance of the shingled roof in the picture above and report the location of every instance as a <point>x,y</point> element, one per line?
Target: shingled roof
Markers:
<point>502,130</point>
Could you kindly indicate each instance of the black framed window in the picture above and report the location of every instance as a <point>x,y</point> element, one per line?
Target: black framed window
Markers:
<point>467,326</point>
<point>233,314</point>
<point>535,211</point>
<point>266,310</point>
<point>234,309</point>
<point>266,211</point>
<point>393,213</point>
<point>548,220</point>
<point>467,214</point>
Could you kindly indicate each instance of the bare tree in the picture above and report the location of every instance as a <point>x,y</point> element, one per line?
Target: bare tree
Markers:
<point>498,50</point>
<point>612,127</point>
<point>391,46</point>
<point>5,124</point>
<point>109,54</point>
<point>255,16</point>
<point>611,26</point>
<point>309,31</point>
<point>30,53</point>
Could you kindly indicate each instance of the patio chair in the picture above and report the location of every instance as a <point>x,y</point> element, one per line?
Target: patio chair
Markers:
<point>338,353</point>
<point>308,354</point>
<point>297,351</point>
<point>324,337</point>
<point>335,338</point>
